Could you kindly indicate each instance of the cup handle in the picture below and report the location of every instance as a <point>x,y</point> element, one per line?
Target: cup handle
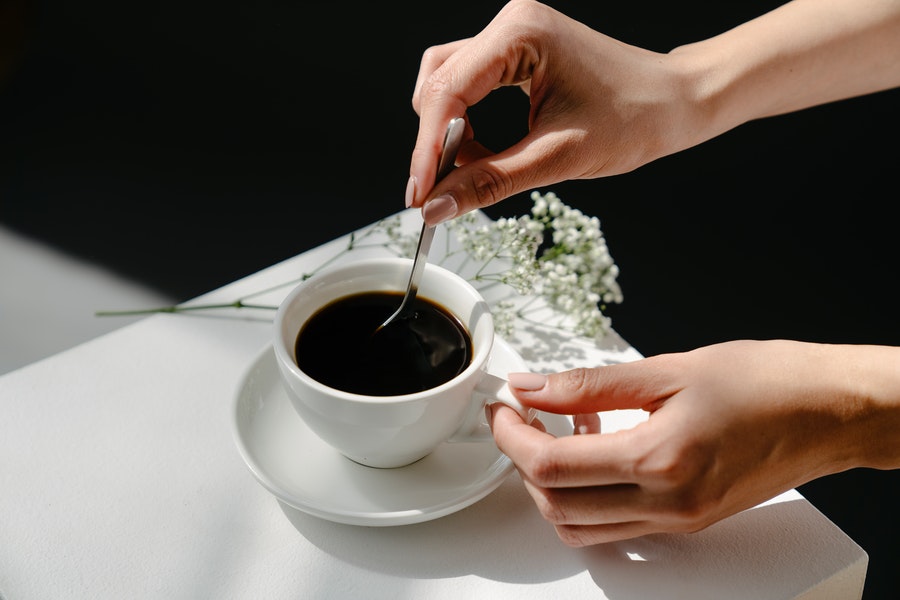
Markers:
<point>491,388</point>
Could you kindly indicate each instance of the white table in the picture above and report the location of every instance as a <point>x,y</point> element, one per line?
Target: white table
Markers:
<point>120,478</point>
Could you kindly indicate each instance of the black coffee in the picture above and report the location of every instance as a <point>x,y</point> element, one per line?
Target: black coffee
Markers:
<point>339,346</point>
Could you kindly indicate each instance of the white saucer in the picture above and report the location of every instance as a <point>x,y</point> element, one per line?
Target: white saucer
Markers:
<point>301,470</point>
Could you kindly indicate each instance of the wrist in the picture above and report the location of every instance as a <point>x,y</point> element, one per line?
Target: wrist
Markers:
<point>706,95</point>
<point>854,398</point>
<point>873,377</point>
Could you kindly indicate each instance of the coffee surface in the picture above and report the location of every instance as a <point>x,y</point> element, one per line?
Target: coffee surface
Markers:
<point>339,345</point>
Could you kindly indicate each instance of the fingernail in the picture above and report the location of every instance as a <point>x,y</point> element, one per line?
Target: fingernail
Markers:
<point>581,428</point>
<point>529,382</point>
<point>440,209</point>
<point>410,191</point>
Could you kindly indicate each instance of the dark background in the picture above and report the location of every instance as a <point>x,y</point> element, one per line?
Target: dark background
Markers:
<point>187,144</point>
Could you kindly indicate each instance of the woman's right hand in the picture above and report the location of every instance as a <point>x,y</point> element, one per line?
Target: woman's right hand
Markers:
<point>601,107</point>
<point>598,107</point>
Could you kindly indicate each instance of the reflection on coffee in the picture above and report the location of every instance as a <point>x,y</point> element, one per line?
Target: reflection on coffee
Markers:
<point>339,346</point>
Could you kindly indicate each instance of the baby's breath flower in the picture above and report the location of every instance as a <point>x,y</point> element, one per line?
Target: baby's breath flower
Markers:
<point>504,313</point>
<point>399,241</point>
<point>557,253</point>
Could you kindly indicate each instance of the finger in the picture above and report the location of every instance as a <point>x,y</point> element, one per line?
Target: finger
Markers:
<point>537,160</point>
<point>641,384</point>
<point>580,536</point>
<point>432,59</point>
<point>471,151</point>
<point>432,126</point>
<point>451,78</point>
<point>569,461</point>
<point>445,87</point>
<point>594,505</point>
<point>592,515</point>
<point>506,422</point>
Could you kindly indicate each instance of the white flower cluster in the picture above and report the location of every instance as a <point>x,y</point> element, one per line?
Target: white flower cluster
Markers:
<point>513,241</point>
<point>557,253</point>
<point>579,276</point>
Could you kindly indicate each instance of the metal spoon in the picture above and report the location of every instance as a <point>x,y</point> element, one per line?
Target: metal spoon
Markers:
<point>452,141</point>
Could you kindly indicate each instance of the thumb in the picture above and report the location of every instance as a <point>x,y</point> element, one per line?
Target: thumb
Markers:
<point>631,385</point>
<point>483,178</point>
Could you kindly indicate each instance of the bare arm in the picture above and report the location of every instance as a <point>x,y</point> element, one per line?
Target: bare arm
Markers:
<point>802,54</point>
<point>601,107</point>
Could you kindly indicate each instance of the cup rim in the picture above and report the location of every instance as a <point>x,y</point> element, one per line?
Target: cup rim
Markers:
<point>285,355</point>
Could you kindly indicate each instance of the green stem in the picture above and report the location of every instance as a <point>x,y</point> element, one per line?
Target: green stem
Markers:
<point>179,308</point>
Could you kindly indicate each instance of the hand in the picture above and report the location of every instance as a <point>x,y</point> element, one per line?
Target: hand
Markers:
<point>600,107</point>
<point>575,132</point>
<point>731,425</point>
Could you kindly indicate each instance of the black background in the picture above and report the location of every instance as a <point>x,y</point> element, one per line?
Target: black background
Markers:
<point>187,144</point>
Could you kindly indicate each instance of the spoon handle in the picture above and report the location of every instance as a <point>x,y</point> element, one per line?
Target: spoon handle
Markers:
<point>452,141</point>
<point>425,238</point>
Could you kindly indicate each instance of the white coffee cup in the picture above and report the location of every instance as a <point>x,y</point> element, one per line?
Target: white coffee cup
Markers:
<point>393,431</point>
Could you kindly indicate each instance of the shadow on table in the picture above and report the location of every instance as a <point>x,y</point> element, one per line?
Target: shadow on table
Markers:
<point>782,549</point>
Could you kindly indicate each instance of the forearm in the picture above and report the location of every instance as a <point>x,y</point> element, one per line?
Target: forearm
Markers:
<point>804,53</point>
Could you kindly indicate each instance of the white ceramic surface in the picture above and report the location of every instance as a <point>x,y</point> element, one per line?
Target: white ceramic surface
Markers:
<point>301,470</point>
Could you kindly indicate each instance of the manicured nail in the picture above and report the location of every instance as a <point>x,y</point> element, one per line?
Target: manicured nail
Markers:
<point>530,382</point>
<point>586,423</point>
<point>410,191</point>
<point>440,209</point>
